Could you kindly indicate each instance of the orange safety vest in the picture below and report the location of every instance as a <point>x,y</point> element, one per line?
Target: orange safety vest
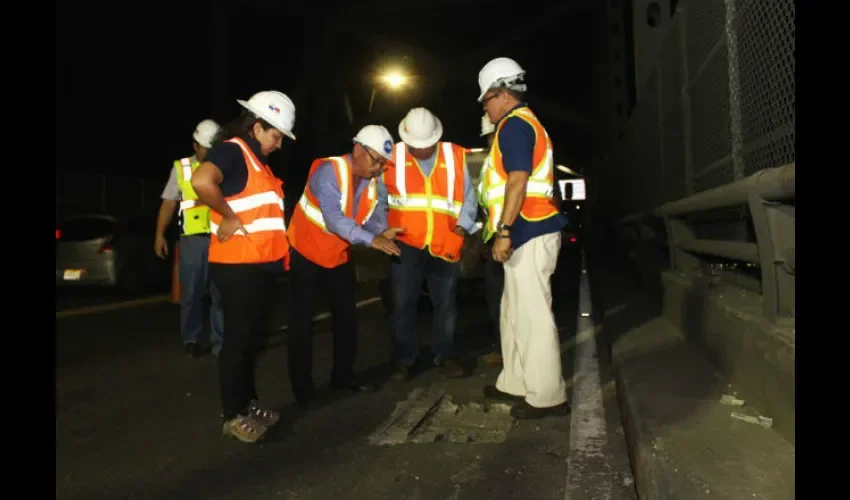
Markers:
<point>308,233</point>
<point>427,207</point>
<point>539,203</point>
<point>260,209</point>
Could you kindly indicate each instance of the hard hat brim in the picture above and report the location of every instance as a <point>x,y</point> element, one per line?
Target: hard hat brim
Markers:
<point>257,113</point>
<point>421,143</point>
<point>386,156</point>
<point>197,138</point>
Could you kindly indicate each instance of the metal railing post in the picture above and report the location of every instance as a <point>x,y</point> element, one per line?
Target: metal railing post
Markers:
<point>775,227</point>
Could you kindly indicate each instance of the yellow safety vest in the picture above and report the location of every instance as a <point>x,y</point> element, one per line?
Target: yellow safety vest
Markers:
<point>196,217</point>
<point>486,233</point>
<point>539,193</point>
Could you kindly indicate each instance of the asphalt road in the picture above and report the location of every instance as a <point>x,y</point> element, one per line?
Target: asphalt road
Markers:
<point>137,419</point>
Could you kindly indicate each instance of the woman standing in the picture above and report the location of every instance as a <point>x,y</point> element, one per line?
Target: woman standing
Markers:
<point>248,247</point>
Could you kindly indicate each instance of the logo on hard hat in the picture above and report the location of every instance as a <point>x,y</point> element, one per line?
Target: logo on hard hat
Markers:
<point>274,108</point>
<point>388,146</point>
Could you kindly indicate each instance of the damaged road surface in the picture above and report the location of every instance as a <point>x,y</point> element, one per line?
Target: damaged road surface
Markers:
<point>429,415</point>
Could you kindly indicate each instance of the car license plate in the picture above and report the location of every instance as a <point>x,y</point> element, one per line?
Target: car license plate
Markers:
<point>73,274</point>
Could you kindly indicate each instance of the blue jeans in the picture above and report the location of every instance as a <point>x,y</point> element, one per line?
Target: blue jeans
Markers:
<point>406,275</point>
<point>194,278</point>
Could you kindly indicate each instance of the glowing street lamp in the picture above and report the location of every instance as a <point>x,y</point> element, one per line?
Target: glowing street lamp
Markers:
<point>393,80</point>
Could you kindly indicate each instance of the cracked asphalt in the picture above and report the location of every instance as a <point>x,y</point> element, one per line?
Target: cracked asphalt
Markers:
<point>136,419</point>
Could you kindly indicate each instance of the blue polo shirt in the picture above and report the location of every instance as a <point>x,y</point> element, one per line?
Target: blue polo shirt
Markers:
<point>516,142</point>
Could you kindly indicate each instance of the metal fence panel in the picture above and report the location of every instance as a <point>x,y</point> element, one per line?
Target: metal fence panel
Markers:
<point>718,106</point>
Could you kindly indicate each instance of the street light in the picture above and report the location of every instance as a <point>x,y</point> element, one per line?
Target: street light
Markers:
<point>394,80</point>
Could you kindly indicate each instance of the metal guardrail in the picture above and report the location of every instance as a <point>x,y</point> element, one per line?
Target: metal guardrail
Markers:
<point>770,196</point>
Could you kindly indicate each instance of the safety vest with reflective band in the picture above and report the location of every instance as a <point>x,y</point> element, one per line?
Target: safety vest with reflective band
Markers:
<point>195,216</point>
<point>260,209</point>
<point>427,207</point>
<point>482,199</point>
<point>307,231</point>
<point>539,201</point>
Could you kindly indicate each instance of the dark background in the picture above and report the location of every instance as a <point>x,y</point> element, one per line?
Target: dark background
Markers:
<point>134,79</point>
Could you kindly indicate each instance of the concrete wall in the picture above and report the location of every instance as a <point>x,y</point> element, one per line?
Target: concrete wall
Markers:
<point>755,356</point>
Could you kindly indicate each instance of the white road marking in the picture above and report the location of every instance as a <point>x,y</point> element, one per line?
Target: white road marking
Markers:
<point>588,469</point>
<point>82,311</point>
<point>321,316</point>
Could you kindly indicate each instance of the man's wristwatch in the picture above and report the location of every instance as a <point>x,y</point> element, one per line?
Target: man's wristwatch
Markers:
<point>502,227</point>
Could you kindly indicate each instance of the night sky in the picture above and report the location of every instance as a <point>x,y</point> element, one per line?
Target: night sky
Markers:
<point>133,79</point>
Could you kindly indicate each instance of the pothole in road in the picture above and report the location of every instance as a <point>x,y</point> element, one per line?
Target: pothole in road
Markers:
<point>429,415</point>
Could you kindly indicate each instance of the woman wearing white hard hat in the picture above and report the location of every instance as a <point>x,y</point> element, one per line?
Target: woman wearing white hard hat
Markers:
<point>344,204</point>
<point>194,245</point>
<point>248,248</point>
<point>430,195</point>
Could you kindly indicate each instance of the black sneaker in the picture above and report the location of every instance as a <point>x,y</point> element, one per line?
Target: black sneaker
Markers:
<point>524,411</point>
<point>491,392</point>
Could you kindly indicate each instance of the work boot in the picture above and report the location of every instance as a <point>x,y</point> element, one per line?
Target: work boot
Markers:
<point>401,373</point>
<point>492,358</point>
<point>244,429</point>
<point>524,411</point>
<point>451,368</point>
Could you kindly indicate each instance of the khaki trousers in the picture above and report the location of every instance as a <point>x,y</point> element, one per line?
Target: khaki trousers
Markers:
<point>530,344</point>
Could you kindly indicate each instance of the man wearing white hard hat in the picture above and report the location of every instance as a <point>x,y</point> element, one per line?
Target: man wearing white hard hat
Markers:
<point>494,273</point>
<point>248,248</point>
<point>194,221</point>
<point>526,225</point>
<point>431,196</point>
<point>343,204</point>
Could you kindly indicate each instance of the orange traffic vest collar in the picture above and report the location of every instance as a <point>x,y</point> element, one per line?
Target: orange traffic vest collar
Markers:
<point>427,207</point>
<point>308,233</point>
<point>259,207</point>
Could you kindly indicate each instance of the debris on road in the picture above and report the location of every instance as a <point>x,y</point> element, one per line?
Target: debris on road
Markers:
<point>429,416</point>
<point>759,420</point>
<point>730,400</point>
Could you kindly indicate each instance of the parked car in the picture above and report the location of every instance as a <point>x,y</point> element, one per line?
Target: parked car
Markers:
<point>102,250</point>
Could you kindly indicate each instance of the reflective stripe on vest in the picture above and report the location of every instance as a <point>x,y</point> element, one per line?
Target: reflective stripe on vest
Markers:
<point>194,216</point>
<point>428,206</point>
<point>343,174</point>
<point>403,201</point>
<point>260,208</point>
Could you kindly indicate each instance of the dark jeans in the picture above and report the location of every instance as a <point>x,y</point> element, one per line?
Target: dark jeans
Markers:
<point>244,290</point>
<point>338,284</point>
<point>406,275</point>
<point>494,283</point>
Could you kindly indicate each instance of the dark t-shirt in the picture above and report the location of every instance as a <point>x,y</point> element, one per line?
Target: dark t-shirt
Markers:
<point>229,159</point>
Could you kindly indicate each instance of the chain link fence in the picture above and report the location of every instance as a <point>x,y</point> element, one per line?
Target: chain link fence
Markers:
<point>119,196</point>
<point>719,105</point>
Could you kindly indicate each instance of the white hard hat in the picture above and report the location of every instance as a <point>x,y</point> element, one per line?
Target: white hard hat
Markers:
<point>487,126</point>
<point>205,133</point>
<point>274,107</point>
<point>376,138</point>
<point>420,128</point>
<point>501,72</point>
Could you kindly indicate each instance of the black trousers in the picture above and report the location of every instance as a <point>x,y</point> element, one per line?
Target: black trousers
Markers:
<point>245,290</point>
<point>338,284</point>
